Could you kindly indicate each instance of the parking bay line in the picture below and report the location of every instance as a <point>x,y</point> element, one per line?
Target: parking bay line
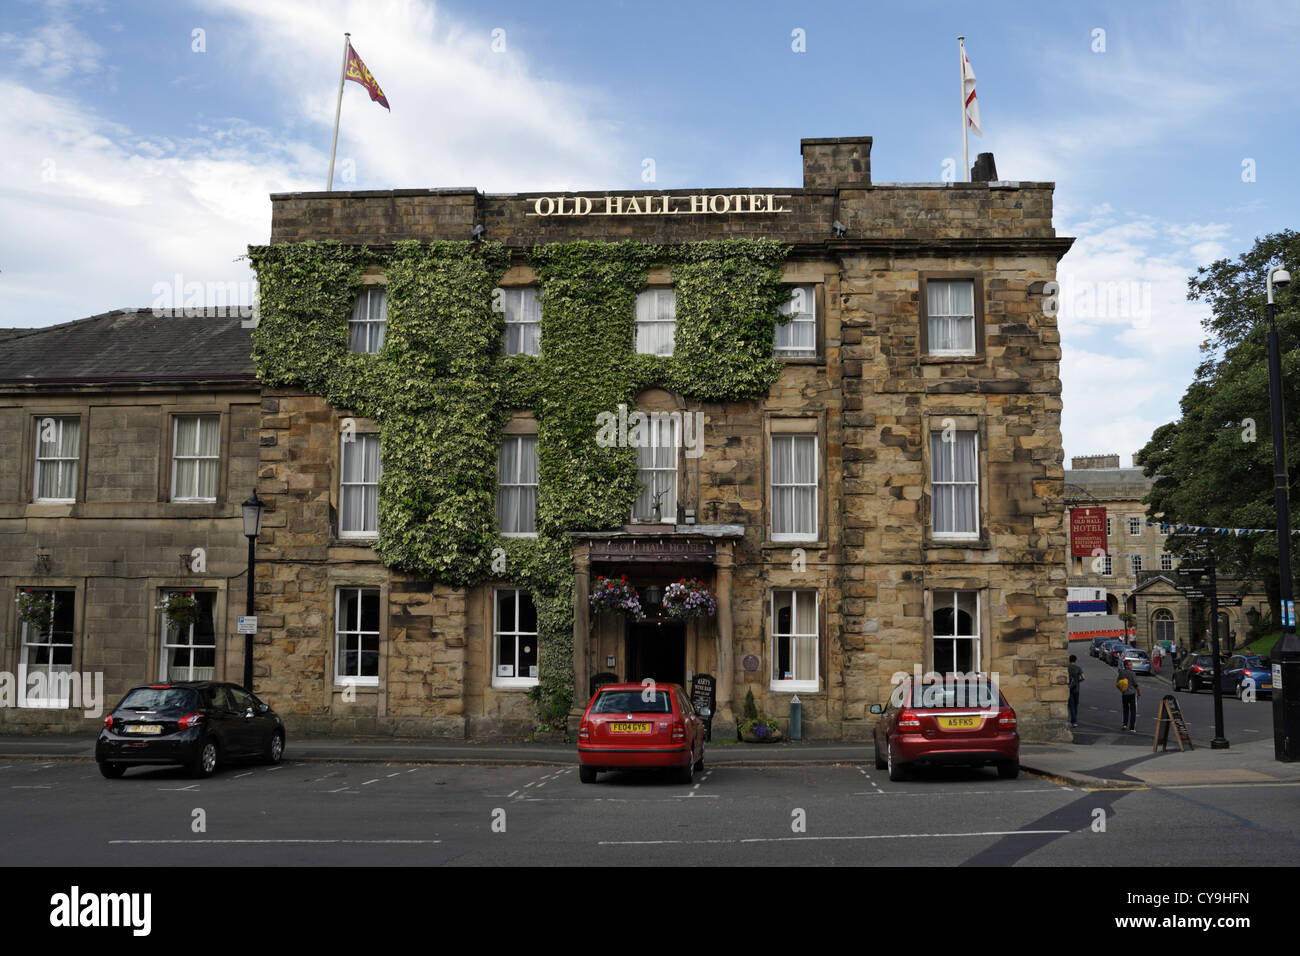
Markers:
<point>160,842</point>
<point>876,836</point>
<point>948,793</point>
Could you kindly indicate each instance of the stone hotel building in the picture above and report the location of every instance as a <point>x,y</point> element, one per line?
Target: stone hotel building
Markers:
<point>848,432</point>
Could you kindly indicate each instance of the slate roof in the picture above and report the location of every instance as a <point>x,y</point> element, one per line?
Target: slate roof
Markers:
<point>130,345</point>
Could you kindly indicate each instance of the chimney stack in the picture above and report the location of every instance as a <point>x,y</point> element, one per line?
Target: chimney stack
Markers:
<point>984,170</point>
<point>839,161</point>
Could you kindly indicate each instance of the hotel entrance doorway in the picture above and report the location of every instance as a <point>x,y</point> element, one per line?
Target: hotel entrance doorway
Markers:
<point>658,651</point>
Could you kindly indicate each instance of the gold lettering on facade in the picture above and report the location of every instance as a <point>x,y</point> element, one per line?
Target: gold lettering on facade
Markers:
<point>716,204</point>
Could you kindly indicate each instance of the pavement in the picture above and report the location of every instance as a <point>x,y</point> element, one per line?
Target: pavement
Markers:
<point>1090,766</point>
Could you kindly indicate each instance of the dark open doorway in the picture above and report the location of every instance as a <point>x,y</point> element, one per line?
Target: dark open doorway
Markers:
<point>657,651</point>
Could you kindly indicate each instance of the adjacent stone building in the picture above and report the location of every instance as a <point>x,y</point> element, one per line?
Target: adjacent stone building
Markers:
<point>127,442</point>
<point>888,503</point>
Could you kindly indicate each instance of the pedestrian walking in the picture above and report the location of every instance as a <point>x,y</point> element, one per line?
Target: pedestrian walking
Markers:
<point>1126,684</point>
<point>1076,678</point>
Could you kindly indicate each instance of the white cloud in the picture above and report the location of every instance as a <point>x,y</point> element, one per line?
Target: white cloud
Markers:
<point>54,51</point>
<point>84,195</point>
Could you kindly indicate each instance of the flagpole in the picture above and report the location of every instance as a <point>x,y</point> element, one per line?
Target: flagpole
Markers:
<point>338,109</point>
<point>961,96</point>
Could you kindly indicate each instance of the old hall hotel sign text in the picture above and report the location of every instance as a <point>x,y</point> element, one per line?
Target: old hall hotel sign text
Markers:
<point>704,204</point>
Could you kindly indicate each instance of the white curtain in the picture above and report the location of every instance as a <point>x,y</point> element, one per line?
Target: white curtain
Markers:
<point>517,485</point>
<point>798,337</point>
<point>951,310</point>
<point>359,504</point>
<point>954,482</point>
<point>198,442</point>
<point>58,457</point>
<point>369,320</point>
<point>657,471</point>
<point>656,321</point>
<point>523,322</point>
<point>794,484</point>
<point>794,638</point>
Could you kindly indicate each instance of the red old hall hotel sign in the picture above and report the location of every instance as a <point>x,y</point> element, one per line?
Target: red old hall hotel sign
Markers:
<point>1087,531</point>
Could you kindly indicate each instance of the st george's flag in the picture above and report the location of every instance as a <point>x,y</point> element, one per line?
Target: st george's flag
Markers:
<point>968,94</point>
<point>356,72</point>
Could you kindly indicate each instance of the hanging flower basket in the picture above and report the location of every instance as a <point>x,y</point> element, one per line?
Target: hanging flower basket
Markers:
<point>36,608</point>
<point>688,597</point>
<point>616,595</point>
<point>180,610</point>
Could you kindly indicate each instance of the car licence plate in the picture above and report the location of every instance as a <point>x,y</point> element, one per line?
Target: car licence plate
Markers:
<point>144,728</point>
<point>624,727</point>
<point>959,723</point>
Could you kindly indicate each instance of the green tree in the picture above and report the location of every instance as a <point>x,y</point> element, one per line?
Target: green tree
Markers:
<point>1214,465</point>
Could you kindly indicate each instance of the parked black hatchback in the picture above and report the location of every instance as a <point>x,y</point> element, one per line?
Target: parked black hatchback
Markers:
<point>197,724</point>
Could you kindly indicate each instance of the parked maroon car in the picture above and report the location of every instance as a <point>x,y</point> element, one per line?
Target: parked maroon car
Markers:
<point>634,727</point>
<point>955,722</point>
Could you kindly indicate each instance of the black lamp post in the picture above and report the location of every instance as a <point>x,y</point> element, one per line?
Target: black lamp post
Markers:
<point>252,527</point>
<point>1286,652</point>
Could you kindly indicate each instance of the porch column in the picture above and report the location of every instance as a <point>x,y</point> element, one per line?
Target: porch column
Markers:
<point>726,662</point>
<point>581,633</point>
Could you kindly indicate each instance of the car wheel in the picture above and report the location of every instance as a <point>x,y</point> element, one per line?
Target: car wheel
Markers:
<point>275,749</point>
<point>1009,770</point>
<point>896,771</point>
<point>1238,691</point>
<point>880,764</point>
<point>112,770</point>
<point>206,765</point>
<point>699,764</point>
<point>687,774</point>
<point>587,774</point>
<point>1191,685</point>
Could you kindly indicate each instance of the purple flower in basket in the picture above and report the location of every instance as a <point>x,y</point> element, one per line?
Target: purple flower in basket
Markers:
<point>760,731</point>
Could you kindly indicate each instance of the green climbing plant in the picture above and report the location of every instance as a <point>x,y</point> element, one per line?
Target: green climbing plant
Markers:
<point>441,391</point>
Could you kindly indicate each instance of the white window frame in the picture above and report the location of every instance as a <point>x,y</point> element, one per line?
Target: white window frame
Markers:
<point>795,685</point>
<point>164,665</point>
<point>955,535</point>
<point>1135,563</point>
<point>655,422</point>
<point>72,464</point>
<point>815,484</point>
<point>1109,532</point>
<point>650,312</point>
<point>516,681</point>
<point>1107,566</point>
<point>358,680</point>
<point>974,349</point>
<point>512,309</point>
<point>1166,561</point>
<point>25,669</point>
<point>807,316</point>
<point>370,319</point>
<point>356,440</point>
<point>1134,527</point>
<point>198,459</point>
<point>935,601</point>
<point>503,485</point>
<point>1162,616</point>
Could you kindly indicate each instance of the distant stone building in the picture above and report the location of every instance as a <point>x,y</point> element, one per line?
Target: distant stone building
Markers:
<point>1138,573</point>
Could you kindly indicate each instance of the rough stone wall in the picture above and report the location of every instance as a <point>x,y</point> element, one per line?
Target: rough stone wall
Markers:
<point>120,543</point>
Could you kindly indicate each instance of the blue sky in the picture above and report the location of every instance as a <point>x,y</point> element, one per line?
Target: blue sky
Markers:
<point>132,158</point>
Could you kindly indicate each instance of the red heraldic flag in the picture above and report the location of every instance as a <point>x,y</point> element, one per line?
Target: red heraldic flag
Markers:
<point>358,73</point>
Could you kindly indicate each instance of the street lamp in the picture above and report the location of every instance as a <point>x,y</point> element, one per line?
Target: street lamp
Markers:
<point>1286,652</point>
<point>252,527</point>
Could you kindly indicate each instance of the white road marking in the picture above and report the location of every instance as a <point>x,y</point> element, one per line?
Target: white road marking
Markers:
<point>155,842</point>
<point>41,786</point>
<point>512,793</point>
<point>246,773</point>
<point>942,793</point>
<point>193,786</point>
<point>801,839</point>
<point>269,769</point>
<point>369,782</point>
<point>391,775</point>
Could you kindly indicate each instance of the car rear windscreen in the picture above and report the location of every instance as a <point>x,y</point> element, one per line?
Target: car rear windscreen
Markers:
<point>161,698</point>
<point>633,702</point>
<point>956,694</point>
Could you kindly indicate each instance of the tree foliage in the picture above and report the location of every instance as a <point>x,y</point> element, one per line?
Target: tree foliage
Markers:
<point>1214,465</point>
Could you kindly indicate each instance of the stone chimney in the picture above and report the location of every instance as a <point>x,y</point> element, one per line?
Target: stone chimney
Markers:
<point>842,161</point>
<point>1094,461</point>
<point>984,170</point>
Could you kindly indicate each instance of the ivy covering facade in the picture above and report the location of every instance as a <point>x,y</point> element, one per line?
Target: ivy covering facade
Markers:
<point>441,390</point>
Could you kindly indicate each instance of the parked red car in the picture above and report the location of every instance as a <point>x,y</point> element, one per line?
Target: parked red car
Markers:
<point>631,726</point>
<point>954,722</point>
